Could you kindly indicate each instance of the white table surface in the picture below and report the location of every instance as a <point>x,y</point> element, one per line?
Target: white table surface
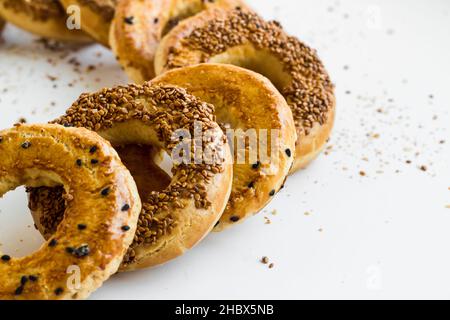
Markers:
<point>336,234</point>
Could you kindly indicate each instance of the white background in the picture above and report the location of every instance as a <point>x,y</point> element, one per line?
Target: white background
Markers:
<point>383,235</point>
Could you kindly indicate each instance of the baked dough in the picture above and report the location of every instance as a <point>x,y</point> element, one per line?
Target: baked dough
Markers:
<point>242,38</point>
<point>139,26</point>
<point>96,17</point>
<point>175,219</point>
<point>103,207</point>
<point>45,18</point>
<point>251,106</point>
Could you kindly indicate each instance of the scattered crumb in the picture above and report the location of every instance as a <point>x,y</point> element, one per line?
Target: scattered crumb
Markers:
<point>423,168</point>
<point>274,212</point>
<point>265,260</point>
<point>267,220</point>
<point>362,173</point>
<point>307,213</point>
<point>271,266</point>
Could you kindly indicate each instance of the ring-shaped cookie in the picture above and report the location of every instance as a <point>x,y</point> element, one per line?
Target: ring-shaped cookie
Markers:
<point>99,222</point>
<point>45,18</point>
<point>242,38</point>
<point>255,111</point>
<point>138,27</point>
<point>175,219</point>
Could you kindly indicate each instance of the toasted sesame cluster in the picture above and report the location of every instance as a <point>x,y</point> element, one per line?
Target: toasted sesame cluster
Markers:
<point>310,93</point>
<point>165,109</point>
<point>40,10</point>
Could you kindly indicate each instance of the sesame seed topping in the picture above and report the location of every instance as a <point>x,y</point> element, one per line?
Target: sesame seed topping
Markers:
<point>79,162</point>
<point>93,150</point>
<point>234,219</point>
<point>125,207</point>
<point>23,280</point>
<point>33,278</point>
<point>105,192</point>
<point>126,228</point>
<point>26,145</point>
<point>59,291</point>
<point>82,226</point>
<point>256,165</point>
<point>18,291</point>
<point>53,243</point>
<point>94,161</point>
<point>5,258</point>
<point>272,193</point>
<point>129,20</point>
<point>289,153</point>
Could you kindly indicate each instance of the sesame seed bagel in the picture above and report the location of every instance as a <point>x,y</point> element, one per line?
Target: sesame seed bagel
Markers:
<point>100,218</point>
<point>96,17</point>
<point>45,18</point>
<point>139,25</point>
<point>175,219</point>
<point>243,38</point>
<point>245,101</point>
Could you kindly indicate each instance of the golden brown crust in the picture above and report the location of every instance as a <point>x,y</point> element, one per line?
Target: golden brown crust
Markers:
<point>175,219</point>
<point>95,232</point>
<point>45,18</point>
<point>245,101</point>
<point>242,38</point>
<point>96,17</point>
<point>139,25</point>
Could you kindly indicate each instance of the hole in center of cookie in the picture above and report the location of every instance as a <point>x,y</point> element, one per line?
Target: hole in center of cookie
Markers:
<point>18,236</point>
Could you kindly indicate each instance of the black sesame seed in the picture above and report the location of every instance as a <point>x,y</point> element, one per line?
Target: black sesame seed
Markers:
<point>79,162</point>
<point>94,161</point>
<point>18,291</point>
<point>289,152</point>
<point>53,243</point>
<point>82,251</point>
<point>251,185</point>
<point>126,207</point>
<point>156,20</point>
<point>272,193</point>
<point>23,280</point>
<point>257,165</point>
<point>67,125</point>
<point>218,222</point>
<point>129,20</point>
<point>59,291</point>
<point>26,145</point>
<point>6,258</point>
<point>70,250</point>
<point>33,278</point>
<point>82,226</point>
<point>105,191</point>
<point>93,149</point>
<point>234,219</point>
<point>1,139</point>
<point>126,228</point>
